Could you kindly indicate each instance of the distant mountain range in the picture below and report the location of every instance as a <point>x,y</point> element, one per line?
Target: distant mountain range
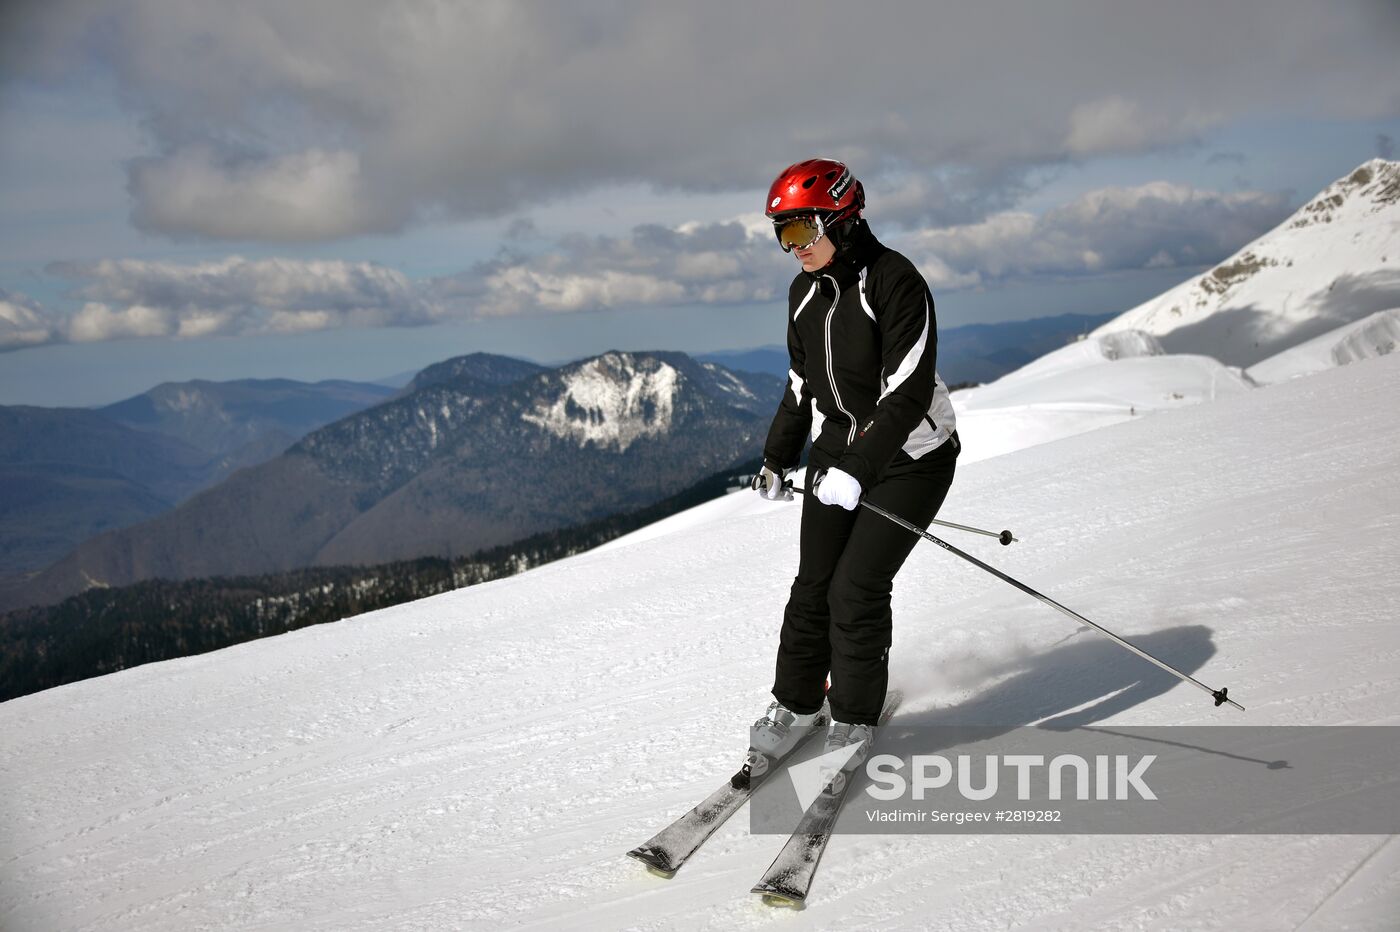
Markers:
<point>244,422</point>
<point>476,452</point>
<point>67,474</point>
<point>970,353</point>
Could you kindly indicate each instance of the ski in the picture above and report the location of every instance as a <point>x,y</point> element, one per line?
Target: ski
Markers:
<point>789,878</point>
<point>670,848</point>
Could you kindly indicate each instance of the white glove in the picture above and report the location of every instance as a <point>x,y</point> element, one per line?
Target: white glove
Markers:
<point>769,484</point>
<point>839,488</point>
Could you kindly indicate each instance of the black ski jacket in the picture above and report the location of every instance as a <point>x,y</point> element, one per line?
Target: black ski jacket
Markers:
<point>862,343</point>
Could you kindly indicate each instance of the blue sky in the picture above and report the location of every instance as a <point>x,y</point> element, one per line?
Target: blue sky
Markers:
<point>352,190</point>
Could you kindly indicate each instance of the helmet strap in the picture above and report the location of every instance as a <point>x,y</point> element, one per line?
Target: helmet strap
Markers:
<point>840,233</point>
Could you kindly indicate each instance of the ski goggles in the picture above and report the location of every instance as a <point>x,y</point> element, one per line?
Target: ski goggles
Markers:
<point>798,232</point>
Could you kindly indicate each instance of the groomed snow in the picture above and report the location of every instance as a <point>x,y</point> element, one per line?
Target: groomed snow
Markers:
<point>483,759</point>
<point>1090,384</point>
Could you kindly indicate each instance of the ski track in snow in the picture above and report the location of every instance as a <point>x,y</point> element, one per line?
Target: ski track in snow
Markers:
<point>483,759</point>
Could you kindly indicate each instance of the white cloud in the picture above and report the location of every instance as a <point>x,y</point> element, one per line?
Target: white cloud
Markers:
<point>1114,125</point>
<point>233,294</point>
<point>97,322</point>
<point>295,121</point>
<point>733,262</point>
<point>22,323</point>
<point>653,266</point>
<point>940,275</point>
<point>944,197</point>
<point>130,299</point>
<point>718,263</point>
<point>305,321</point>
<point>1148,226</point>
<point>307,195</point>
<point>517,288</point>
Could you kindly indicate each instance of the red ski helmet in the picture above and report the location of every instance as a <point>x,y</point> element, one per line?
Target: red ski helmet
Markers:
<point>824,188</point>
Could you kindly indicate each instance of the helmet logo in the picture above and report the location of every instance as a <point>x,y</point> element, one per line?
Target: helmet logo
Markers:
<point>775,202</point>
<point>842,185</point>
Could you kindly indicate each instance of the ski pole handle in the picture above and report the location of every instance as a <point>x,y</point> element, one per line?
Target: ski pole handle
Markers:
<point>1005,537</point>
<point>758,484</point>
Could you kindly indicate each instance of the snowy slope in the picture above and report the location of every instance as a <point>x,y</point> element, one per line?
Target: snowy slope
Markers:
<point>1335,260</point>
<point>1367,338</point>
<point>482,759</point>
<point>1096,382</point>
<point>737,504</point>
<point>1107,347</point>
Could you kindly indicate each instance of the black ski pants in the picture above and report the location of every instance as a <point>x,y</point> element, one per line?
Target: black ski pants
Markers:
<point>838,619</point>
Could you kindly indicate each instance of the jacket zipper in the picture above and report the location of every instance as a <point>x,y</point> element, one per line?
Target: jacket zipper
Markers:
<point>830,367</point>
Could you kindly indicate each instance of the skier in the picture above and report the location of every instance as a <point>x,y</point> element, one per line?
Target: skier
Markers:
<point>862,343</point>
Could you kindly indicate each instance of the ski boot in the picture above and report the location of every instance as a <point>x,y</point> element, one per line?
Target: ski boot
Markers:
<point>776,735</point>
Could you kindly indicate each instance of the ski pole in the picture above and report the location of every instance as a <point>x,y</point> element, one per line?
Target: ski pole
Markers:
<point>1219,695</point>
<point>1004,536</point>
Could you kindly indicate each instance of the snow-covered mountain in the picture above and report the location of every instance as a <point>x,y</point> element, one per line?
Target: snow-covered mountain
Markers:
<point>483,759</point>
<point>482,451</point>
<point>614,400</point>
<point>1315,292</point>
<point>1336,260</point>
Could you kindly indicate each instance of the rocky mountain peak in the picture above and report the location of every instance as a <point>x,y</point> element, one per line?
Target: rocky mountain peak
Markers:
<point>1371,187</point>
<point>611,400</point>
